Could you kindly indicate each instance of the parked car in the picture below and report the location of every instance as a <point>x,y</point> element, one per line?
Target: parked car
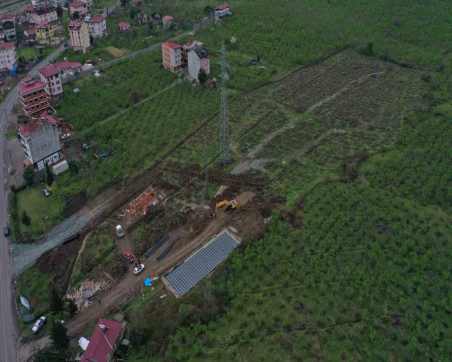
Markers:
<point>138,269</point>
<point>39,324</point>
<point>46,192</point>
<point>120,231</point>
<point>6,231</point>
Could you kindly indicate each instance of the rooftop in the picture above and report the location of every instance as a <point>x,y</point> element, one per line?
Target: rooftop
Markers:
<point>97,19</point>
<point>223,6</point>
<point>29,128</point>
<point>30,85</point>
<point>5,17</point>
<point>49,70</point>
<point>172,45</point>
<point>123,25</point>
<point>52,69</point>
<point>201,263</point>
<point>75,24</point>
<point>102,341</point>
<point>5,46</point>
<point>77,4</point>
<point>202,52</point>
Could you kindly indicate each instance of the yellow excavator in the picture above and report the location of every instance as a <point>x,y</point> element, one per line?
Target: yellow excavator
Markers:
<point>228,205</point>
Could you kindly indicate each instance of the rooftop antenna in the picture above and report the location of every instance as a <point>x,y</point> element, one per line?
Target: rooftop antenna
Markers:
<point>224,111</point>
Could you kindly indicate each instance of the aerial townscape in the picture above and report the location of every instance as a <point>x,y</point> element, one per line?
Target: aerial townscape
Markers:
<point>240,180</point>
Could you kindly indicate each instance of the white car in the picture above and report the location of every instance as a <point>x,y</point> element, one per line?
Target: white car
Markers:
<point>38,324</point>
<point>120,233</point>
<point>138,269</point>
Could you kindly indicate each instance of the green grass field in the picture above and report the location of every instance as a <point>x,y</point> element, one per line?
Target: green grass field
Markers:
<point>44,212</point>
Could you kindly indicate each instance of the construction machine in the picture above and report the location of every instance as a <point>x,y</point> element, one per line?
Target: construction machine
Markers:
<point>228,205</point>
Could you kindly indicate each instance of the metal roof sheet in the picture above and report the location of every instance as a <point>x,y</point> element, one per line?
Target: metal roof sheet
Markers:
<point>201,263</point>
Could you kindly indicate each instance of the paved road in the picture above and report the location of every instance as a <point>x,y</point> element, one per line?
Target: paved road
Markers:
<point>8,330</point>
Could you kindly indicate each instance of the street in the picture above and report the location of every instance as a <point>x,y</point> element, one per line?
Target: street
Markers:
<point>8,329</point>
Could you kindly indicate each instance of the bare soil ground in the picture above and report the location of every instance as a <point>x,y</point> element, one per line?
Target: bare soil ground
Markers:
<point>184,240</point>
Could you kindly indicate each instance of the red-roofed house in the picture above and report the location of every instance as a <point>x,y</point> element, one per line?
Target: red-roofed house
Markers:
<point>33,97</point>
<point>223,10</point>
<point>52,75</point>
<point>79,7</point>
<point>167,20</point>
<point>79,35</point>
<point>7,56</point>
<point>103,341</point>
<point>172,56</point>
<point>123,26</point>
<point>98,26</point>
<point>40,140</point>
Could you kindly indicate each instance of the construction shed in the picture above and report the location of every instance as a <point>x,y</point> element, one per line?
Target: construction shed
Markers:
<point>200,264</point>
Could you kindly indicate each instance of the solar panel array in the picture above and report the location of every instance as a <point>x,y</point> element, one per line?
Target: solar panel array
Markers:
<point>201,264</point>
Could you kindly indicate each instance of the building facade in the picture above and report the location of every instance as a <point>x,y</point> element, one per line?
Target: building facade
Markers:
<point>123,26</point>
<point>40,140</point>
<point>197,61</point>
<point>53,75</point>
<point>33,97</point>
<point>7,56</point>
<point>45,33</point>
<point>79,35</point>
<point>97,26</point>
<point>7,27</point>
<point>172,59</point>
<point>44,16</point>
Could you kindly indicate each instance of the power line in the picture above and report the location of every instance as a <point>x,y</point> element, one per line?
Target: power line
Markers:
<point>224,111</point>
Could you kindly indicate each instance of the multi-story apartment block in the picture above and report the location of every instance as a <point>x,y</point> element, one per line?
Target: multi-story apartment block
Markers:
<point>97,26</point>
<point>33,97</point>
<point>79,35</point>
<point>40,140</point>
<point>7,56</point>
<point>53,75</point>
<point>172,56</point>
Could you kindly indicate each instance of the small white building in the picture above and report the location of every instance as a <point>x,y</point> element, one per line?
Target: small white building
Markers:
<point>223,10</point>
<point>97,26</point>
<point>7,56</point>
<point>197,60</point>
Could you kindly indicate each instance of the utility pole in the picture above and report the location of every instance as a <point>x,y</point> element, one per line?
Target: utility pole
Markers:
<point>224,111</point>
